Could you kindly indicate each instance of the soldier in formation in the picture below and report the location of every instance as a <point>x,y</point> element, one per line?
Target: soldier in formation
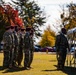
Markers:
<point>16,45</point>
<point>31,48</point>
<point>21,46</point>
<point>28,48</point>
<point>7,46</point>
<point>61,47</point>
<point>17,41</point>
<point>11,54</point>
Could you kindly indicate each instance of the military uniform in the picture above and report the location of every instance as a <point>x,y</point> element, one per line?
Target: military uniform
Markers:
<point>11,60</point>
<point>21,47</point>
<point>61,48</point>
<point>31,48</point>
<point>31,52</point>
<point>16,43</point>
<point>7,47</point>
<point>27,48</point>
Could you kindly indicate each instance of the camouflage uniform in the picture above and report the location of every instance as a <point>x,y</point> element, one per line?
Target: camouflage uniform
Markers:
<point>12,49</point>
<point>31,52</point>
<point>61,48</point>
<point>16,43</point>
<point>6,48</point>
<point>12,52</point>
<point>26,49</point>
<point>20,50</point>
<point>31,48</point>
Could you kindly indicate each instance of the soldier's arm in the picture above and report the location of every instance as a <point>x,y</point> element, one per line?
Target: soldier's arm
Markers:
<point>7,40</point>
<point>68,46</point>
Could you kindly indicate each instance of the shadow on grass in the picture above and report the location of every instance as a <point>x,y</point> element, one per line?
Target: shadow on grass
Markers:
<point>50,70</point>
<point>67,70</point>
<point>14,70</point>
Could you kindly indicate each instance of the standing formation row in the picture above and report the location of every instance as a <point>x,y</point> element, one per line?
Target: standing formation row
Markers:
<point>18,41</point>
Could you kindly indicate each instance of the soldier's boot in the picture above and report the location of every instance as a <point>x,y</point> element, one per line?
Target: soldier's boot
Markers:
<point>58,66</point>
<point>19,65</point>
<point>5,66</point>
<point>19,62</point>
<point>15,64</point>
<point>10,66</point>
<point>26,67</point>
<point>62,67</point>
<point>29,66</point>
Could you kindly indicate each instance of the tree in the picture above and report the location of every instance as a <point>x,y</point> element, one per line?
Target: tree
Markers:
<point>48,38</point>
<point>3,23</point>
<point>31,14</point>
<point>70,19</point>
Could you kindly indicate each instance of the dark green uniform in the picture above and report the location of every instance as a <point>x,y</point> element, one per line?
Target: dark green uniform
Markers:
<point>61,48</point>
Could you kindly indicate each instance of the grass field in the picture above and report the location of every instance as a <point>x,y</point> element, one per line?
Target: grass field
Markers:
<point>43,64</point>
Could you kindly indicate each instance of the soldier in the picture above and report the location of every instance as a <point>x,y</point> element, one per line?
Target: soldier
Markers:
<point>16,44</point>
<point>20,50</point>
<point>27,48</point>
<point>11,60</point>
<point>7,46</point>
<point>31,48</point>
<point>61,48</point>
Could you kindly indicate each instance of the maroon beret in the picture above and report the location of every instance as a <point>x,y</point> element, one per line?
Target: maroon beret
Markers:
<point>7,27</point>
<point>12,27</point>
<point>28,28</point>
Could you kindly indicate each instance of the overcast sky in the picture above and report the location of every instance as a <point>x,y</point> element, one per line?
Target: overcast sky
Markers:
<point>52,8</point>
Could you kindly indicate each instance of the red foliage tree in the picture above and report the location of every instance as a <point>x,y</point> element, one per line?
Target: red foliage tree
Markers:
<point>12,15</point>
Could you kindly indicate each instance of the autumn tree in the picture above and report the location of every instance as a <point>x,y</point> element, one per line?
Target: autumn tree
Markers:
<point>48,38</point>
<point>31,14</point>
<point>69,20</point>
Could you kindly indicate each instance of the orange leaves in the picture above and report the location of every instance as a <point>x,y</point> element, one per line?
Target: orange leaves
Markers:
<point>11,14</point>
<point>19,21</point>
<point>12,23</point>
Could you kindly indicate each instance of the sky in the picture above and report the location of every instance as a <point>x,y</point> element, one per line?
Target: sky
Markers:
<point>52,11</point>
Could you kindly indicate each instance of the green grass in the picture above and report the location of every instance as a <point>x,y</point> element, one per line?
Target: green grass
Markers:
<point>43,64</point>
